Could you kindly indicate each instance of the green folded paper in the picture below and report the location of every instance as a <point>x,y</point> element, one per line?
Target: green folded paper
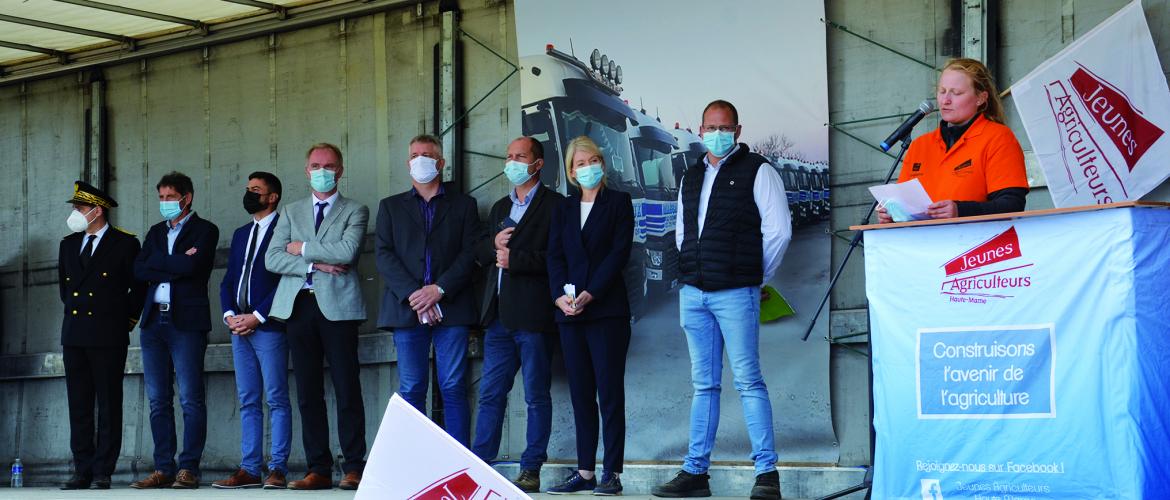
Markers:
<point>775,307</point>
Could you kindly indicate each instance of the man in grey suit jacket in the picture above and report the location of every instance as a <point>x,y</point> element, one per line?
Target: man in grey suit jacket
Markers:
<point>315,247</point>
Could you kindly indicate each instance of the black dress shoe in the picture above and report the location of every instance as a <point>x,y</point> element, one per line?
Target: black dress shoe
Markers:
<point>101,483</point>
<point>77,483</point>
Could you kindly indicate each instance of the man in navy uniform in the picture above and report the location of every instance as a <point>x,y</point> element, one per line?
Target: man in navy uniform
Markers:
<point>95,272</point>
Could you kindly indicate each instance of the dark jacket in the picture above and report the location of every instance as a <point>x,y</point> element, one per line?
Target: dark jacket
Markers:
<point>524,285</point>
<point>400,242</point>
<point>261,285</point>
<point>592,257</point>
<point>187,274</point>
<point>102,301</point>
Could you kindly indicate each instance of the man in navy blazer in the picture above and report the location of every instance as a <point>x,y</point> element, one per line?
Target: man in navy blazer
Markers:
<point>425,247</point>
<point>259,347</point>
<point>175,262</point>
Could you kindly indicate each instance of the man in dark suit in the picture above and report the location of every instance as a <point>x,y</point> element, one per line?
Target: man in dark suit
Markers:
<point>425,246</point>
<point>516,311</point>
<point>315,249</point>
<point>259,347</point>
<point>95,276</point>
<point>175,261</point>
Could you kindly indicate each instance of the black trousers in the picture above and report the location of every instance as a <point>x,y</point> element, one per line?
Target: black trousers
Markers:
<point>595,362</point>
<point>93,377</point>
<point>313,339</point>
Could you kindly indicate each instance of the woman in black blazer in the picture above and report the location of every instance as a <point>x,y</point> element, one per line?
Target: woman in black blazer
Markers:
<point>589,243</point>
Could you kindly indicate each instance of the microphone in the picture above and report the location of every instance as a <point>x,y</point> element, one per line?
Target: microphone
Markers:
<point>926,108</point>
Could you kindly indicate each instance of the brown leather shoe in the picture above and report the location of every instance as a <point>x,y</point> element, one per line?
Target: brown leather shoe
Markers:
<point>312,481</point>
<point>186,480</point>
<point>241,479</point>
<point>351,481</point>
<point>156,479</point>
<point>275,481</point>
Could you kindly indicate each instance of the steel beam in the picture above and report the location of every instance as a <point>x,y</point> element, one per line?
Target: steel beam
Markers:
<point>137,13</point>
<point>279,9</point>
<point>974,22</point>
<point>95,172</point>
<point>61,56</point>
<point>67,29</point>
<point>446,97</point>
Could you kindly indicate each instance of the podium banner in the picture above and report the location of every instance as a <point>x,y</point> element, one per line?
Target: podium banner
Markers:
<point>1021,358</point>
<point>1097,113</point>
<point>413,458</point>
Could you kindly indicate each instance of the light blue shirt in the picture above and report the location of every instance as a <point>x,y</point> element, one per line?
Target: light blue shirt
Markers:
<point>162,294</point>
<point>519,207</point>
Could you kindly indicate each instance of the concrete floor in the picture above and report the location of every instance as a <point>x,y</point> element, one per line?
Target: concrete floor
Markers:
<point>119,493</point>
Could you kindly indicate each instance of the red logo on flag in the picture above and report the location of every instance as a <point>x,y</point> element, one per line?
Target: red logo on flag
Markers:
<point>457,486</point>
<point>1126,127</point>
<point>1003,246</point>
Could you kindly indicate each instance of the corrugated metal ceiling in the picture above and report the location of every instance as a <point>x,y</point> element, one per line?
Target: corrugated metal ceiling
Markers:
<point>87,15</point>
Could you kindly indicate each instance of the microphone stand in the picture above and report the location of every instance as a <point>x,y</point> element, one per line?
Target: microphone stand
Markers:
<point>867,481</point>
<point>855,241</point>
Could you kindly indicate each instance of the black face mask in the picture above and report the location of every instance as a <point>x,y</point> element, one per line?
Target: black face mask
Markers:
<point>252,202</point>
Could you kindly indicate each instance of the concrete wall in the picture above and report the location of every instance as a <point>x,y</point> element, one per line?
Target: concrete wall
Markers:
<point>866,81</point>
<point>218,114</point>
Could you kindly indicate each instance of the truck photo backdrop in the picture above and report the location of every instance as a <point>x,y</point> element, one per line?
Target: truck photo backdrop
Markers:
<point>634,77</point>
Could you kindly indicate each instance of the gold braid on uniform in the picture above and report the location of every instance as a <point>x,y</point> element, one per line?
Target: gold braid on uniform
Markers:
<point>88,198</point>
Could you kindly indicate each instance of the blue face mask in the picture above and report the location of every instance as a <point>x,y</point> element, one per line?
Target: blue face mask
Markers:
<point>719,143</point>
<point>322,180</point>
<point>169,209</point>
<point>589,176</point>
<point>516,172</point>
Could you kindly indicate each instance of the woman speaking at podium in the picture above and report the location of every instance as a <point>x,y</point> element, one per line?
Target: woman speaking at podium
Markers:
<point>971,164</point>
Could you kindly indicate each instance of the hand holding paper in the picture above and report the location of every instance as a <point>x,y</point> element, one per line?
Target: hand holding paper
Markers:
<point>571,291</point>
<point>904,201</point>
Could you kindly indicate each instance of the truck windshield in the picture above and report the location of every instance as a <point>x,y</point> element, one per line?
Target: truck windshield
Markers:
<point>656,168</point>
<point>615,147</point>
<point>539,125</point>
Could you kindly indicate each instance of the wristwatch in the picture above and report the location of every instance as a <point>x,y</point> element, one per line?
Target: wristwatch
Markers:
<point>441,291</point>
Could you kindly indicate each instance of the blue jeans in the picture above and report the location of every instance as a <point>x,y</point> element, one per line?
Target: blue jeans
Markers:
<point>414,346</point>
<point>171,355</point>
<point>504,353</point>
<point>261,362</point>
<point>714,321</point>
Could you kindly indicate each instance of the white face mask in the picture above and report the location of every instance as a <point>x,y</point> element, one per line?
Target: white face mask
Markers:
<point>78,221</point>
<point>423,169</point>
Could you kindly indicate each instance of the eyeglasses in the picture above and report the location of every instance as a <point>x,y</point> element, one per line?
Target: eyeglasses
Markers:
<point>720,128</point>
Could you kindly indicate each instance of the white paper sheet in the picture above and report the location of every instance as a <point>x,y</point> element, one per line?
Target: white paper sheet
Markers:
<point>904,201</point>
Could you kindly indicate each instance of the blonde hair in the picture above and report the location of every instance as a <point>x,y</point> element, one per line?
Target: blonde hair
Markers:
<point>583,143</point>
<point>981,79</point>
<point>325,145</point>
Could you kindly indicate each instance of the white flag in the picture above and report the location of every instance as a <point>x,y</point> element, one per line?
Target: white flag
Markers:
<point>414,459</point>
<point>1097,112</point>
